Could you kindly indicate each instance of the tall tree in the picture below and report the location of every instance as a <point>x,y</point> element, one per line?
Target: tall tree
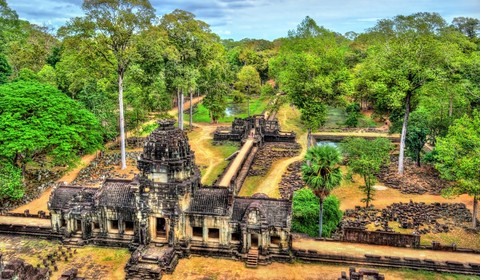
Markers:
<point>190,40</point>
<point>458,159</point>
<point>114,23</point>
<point>322,174</point>
<point>310,69</point>
<point>248,83</point>
<point>468,26</point>
<point>405,58</point>
<point>365,157</point>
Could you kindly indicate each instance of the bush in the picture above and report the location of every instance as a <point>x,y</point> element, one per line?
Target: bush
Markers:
<point>353,114</point>
<point>306,210</point>
<point>11,187</point>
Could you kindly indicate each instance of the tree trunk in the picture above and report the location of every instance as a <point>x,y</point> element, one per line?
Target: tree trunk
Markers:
<point>475,207</point>
<point>450,107</point>
<point>418,158</point>
<point>404,134</point>
<point>309,135</point>
<point>191,109</point>
<point>320,219</point>
<point>180,111</point>
<point>122,119</point>
<point>367,188</point>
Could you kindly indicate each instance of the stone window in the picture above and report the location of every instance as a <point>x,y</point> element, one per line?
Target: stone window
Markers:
<point>113,226</point>
<point>274,241</point>
<point>95,226</point>
<point>213,233</point>
<point>129,227</point>
<point>236,237</point>
<point>197,232</point>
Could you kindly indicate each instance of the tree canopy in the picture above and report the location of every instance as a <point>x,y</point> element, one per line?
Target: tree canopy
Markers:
<point>39,120</point>
<point>458,158</point>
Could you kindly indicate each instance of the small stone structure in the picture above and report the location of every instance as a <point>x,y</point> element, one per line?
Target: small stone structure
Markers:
<point>361,274</point>
<point>266,130</point>
<point>164,213</point>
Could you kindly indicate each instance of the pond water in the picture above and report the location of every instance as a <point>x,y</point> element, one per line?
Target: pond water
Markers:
<point>235,109</point>
<point>329,143</point>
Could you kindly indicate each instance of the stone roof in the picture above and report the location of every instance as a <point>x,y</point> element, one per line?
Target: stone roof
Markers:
<point>63,195</point>
<point>276,211</point>
<point>116,193</point>
<point>212,201</point>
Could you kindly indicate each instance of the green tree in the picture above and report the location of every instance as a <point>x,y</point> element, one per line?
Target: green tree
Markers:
<point>192,43</point>
<point>39,120</point>
<point>310,69</point>
<point>406,57</point>
<point>5,70</point>
<point>113,24</point>
<point>468,26</point>
<point>11,187</point>
<point>322,174</point>
<point>248,83</point>
<point>458,159</point>
<point>417,133</point>
<point>305,213</point>
<point>365,157</point>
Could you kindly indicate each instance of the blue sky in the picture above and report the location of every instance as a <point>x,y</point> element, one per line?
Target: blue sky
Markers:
<point>265,19</point>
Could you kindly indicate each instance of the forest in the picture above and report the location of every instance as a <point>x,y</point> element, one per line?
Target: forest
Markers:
<point>66,92</point>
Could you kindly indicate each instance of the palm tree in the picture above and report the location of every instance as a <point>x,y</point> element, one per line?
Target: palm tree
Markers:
<point>322,173</point>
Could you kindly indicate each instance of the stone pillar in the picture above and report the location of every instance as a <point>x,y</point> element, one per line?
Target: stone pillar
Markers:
<point>205,232</point>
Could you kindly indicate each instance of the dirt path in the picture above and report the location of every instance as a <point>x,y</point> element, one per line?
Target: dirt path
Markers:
<point>9,220</point>
<point>195,268</point>
<point>199,140</point>
<point>270,182</point>
<point>359,250</point>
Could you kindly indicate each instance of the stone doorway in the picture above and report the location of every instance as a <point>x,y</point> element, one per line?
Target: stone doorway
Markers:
<point>253,240</point>
<point>78,225</point>
<point>160,228</point>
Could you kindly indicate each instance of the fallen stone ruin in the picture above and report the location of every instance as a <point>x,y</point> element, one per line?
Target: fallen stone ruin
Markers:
<point>102,167</point>
<point>291,180</point>
<point>270,152</point>
<point>415,180</point>
<point>19,269</point>
<point>420,217</point>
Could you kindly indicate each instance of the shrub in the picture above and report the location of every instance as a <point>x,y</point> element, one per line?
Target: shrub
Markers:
<point>305,213</point>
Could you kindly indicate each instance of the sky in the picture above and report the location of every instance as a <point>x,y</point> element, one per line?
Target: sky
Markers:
<point>264,19</point>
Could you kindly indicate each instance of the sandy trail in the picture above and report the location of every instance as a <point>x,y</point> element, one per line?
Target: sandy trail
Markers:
<point>359,250</point>
<point>199,140</point>
<point>269,185</point>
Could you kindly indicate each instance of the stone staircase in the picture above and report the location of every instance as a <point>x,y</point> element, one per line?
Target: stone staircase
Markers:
<point>252,258</point>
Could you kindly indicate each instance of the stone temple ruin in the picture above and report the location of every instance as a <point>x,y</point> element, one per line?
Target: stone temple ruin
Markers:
<point>264,129</point>
<point>164,213</point>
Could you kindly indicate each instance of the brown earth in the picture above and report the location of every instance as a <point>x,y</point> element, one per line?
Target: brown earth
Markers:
<point>196,268</point>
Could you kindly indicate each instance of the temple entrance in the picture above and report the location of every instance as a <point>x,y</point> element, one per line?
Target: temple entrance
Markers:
<point>78,225</point>
<point>161,228</point>
<point>253,240</point>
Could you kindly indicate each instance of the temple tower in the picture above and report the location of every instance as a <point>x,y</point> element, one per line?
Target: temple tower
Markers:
<point>167,179</point>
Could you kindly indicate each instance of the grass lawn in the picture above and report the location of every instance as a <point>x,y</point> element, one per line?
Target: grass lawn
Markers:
<point>202,115</point>
<point>223,151</point>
